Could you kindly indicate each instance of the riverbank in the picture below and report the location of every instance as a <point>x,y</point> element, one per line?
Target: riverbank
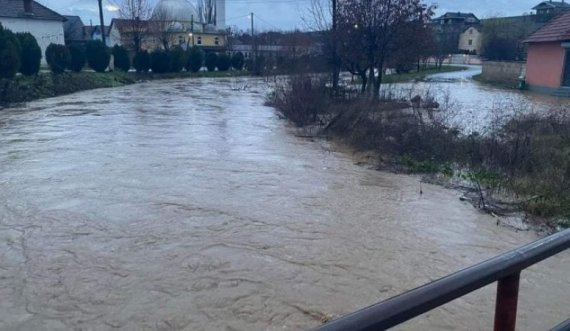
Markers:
<point>47,85</point>
<point>421,75</point>
<point>519,171</point>
<point>493,83</point>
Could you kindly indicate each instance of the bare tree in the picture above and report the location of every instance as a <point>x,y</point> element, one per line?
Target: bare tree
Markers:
<point>161,27</point>
<point>136,14</point>
<point>319,15</point>
<point>379,25</point>
<point>444,44</point>
<point>322,16</point>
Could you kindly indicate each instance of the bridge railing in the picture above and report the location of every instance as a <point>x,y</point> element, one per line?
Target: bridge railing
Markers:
<point>504,269</point>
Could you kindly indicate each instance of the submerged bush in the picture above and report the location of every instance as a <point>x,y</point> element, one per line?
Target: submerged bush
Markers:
<point>160,61</point>
<point>31,55</point>
<point>238,61</point>
<point>224,62</point>
<point>78,59</point>
<point>211,61</point>
<point>177,59</point>
<point>58,58</point>
<point>121,58</point>
<point>9,54</point>
<point>141,61</point>
<point>528,155</point>
<point>98,56</point>
<point>195,59</point>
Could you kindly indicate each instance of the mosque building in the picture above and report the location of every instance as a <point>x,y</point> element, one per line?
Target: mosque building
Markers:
<point>182,23</point>
<point>176,23</point>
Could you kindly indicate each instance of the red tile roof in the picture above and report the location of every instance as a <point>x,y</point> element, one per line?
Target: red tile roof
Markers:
<point>556,30</point>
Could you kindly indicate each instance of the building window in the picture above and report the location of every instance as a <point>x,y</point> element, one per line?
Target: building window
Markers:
<point>181,40</point>
<point>470,31</point>
<point>470,42</point>
<point>217,41</point>
<point>199,41</point>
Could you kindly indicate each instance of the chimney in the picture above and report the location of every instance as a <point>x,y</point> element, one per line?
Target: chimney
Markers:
<point>28,7</point>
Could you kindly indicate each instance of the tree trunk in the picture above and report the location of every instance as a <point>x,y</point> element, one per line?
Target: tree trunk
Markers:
<point>336,68</point>
<point>371,80</point>
<point>364,83</point>
<point>378,83</point>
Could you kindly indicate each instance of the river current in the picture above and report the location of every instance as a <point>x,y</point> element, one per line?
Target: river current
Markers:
<point>189,205</point>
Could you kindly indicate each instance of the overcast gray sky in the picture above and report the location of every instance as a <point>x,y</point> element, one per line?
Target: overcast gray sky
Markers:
<point>286,14</point>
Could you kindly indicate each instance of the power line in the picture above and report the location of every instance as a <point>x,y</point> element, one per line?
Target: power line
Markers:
<point>264,21</point>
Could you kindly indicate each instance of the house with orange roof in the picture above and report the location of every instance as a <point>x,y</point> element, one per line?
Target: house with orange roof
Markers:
<point>548,60</point>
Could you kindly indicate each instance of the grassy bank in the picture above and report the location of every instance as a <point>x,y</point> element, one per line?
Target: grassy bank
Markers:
<point>493,83</point>
<point>46,85</point>
<point>521,165</point>
<point>414,76</point>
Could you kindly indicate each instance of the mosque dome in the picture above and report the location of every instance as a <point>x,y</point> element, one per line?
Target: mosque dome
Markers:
<point>175,11</point>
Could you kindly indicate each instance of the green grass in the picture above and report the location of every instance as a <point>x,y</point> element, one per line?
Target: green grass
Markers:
<point>413,76</point>
<point>499,84</point>
<point>201,74</point>
<point>46,85</point>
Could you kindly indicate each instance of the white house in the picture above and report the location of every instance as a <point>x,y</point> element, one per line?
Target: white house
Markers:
<point>30,16</point>
<point>112,34</point>
<point>471,39</point>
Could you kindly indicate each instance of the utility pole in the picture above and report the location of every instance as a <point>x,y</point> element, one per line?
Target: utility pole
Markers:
<point>102,22</point>
<point>253,45</point>
<point>336,71</point>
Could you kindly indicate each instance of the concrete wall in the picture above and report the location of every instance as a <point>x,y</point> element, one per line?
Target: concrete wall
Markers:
<point>46,32</point>
<point>545,64</point>
<point>503,71</point>
<point>464,59</point>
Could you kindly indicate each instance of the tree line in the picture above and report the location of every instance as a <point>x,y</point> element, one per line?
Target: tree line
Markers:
<point>366,36</point>
<point>20,53</point>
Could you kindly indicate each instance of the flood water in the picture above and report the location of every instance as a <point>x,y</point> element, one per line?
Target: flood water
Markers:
<point>188,205</point>
<point>477,107</point>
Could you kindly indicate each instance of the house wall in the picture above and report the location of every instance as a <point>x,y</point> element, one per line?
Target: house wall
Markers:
<point>111,40</point>
<point>199,39</point>
<point>114,36</point>
<point>545,64</point>
<point>472,35</point>
<point>503,71</point>
<point>46,32</point>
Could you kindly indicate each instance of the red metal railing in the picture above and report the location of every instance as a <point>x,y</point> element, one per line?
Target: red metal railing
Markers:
<point>504,269</point>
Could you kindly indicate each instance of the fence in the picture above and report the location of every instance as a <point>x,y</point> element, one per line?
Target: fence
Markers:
<point>504,269</point>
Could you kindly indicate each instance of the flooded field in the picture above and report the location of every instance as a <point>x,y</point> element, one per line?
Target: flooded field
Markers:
<point>188,205</point>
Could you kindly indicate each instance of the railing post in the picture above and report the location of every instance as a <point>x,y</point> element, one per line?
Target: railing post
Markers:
<point>506,304</point>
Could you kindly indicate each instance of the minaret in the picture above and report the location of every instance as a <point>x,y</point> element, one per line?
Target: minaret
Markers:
<point>220,14</point>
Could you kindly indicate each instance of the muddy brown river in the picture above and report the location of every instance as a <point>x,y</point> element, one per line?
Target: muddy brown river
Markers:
<point>188,205</point>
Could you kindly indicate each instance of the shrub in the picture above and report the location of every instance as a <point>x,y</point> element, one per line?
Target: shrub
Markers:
<point>141,62</point>
<point>78,59</point>
<point>238,60</point>
<point>121,58</point>
<point>98,56</point>
<point>160,61</point>
<point>211,61</point>
<point>260,63</point>
<point>177,59</point>
<point>58,58</point>
<point>195,59</point>
<point>11,36</point>
<point>31,56</point>
<point>9,55</point>
<point>224,62</point>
